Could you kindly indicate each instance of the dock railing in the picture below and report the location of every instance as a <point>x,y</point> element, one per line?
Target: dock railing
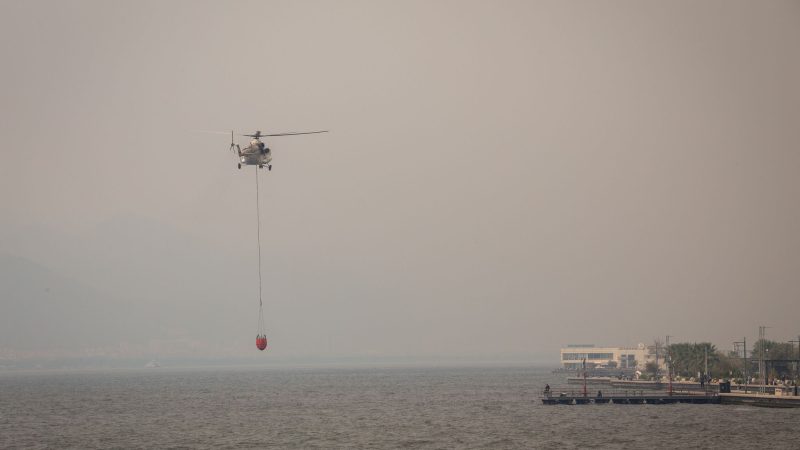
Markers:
<point>569,396</point>
<point>571,392</point>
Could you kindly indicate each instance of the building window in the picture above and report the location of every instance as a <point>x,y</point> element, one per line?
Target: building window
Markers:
<point>591,356</point>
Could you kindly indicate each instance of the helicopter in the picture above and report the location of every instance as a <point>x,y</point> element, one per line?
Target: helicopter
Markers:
<point>257,153</point>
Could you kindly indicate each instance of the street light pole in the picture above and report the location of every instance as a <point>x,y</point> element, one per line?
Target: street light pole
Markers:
<point>706,378</point>
<point>746,375</point>
<point>669,365</point>
<point>762,382</point>
<point>744,358</point>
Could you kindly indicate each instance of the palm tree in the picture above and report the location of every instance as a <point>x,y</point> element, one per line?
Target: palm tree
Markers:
<point>689,359</point>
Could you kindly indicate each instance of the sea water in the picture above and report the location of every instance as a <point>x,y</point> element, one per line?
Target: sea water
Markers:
<point>354,407</point>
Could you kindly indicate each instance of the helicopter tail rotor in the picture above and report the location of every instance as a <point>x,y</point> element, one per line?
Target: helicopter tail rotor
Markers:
<point>235,146</point>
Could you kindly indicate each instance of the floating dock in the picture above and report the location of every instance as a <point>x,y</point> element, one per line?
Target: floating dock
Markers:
<point>638,397</point>
<point>662,385</point>
<point>756,399</point>
<point>646,397</point>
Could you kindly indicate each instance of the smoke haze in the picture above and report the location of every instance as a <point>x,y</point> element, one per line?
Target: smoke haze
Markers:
<point>502,178</point>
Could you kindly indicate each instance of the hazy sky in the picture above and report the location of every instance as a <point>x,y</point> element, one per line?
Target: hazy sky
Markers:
<point>502,178</point>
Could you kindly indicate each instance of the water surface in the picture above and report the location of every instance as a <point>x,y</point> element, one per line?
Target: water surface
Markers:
<point>397,407</point>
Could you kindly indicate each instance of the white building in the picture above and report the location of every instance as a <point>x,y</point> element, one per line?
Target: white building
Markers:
<point>617,357</point>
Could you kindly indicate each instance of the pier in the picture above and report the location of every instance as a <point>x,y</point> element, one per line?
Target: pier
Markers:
<point>636,397</point>
<point>785,399</point>
<point>756,399</point>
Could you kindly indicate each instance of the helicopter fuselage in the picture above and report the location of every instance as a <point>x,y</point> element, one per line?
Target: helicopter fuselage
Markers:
<point>255,154</point>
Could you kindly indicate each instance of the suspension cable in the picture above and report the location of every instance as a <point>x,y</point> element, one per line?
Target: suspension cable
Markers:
<point>258,221</point>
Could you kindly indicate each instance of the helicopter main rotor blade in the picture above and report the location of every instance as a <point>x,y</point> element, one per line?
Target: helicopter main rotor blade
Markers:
<point>212,132</point>
<point>284,134</point>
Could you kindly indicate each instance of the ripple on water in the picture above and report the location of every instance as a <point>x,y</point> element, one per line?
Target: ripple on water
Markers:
<point>388,407</point>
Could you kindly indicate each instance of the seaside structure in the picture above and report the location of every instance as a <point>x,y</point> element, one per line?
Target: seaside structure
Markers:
<point>572,357</point>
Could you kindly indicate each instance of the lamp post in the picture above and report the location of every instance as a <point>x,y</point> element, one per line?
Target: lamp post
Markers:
<point>762,337</point>
<point>744,357</point>
<point>669,365</point>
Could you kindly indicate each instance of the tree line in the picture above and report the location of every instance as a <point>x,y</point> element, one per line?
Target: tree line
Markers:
<point>689,360</point>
